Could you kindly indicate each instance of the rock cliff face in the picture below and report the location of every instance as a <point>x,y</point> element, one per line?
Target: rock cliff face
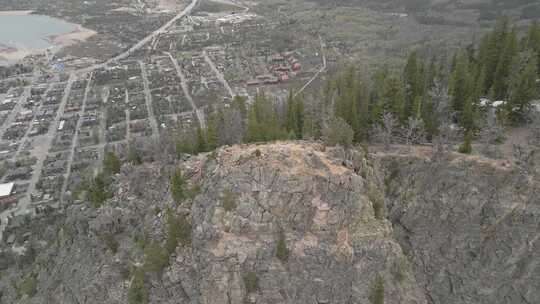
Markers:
<point>290,223</point>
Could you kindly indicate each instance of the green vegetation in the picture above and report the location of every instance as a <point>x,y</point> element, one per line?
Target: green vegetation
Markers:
<point>412,105</point>
<point>178,231</point>
<point>282,252</point>
<point>399,269</point>
<point>229,200</point>
<point>338,132</point>
<point>251,281</point>
<point>263,122</point>
<point>134,156</point>
<point>29,286</point>
<point>97,192</point>
<point>111,163</point>
<point>466,146</point>
<point>178,186</point>
<point>110,242</point>
<point>138,291</point>
<point>377,200</point>
<point>155,257</point>
<point>377,292</point>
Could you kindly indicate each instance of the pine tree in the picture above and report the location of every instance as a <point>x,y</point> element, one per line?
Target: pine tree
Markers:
<point>413,77</point>
<point>393,98</point>
<point>111,163</point>
<point>200,145</point>
<point>239,103</point>
<point>494,48</point>
<point>533,40</point>
<point>177,186</point>
<point>253,128</point>
<point>500,81</point>
<point>523,87</point>
<point>466,147</point>
<point>212,137</point>
<point>460,85</point>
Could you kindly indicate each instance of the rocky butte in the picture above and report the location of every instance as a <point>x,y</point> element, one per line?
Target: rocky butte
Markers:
<point>292,222</point>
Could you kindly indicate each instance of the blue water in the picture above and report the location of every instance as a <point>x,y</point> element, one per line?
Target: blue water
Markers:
<point>31,31</point>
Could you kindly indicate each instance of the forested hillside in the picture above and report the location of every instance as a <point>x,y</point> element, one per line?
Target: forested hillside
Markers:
<point>490,85</point>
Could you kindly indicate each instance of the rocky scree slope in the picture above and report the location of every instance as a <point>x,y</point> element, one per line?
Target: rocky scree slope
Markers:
<point>290,223</point>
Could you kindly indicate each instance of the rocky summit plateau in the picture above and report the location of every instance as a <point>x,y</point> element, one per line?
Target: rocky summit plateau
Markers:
<point>291,222</point>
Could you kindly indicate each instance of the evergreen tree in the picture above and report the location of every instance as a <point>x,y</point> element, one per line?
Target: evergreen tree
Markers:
<point>533,41</point>
<point>177,186</point>
<point>414,83</point>
<point>495,45</point>
<point>460,85</point>
<point>524,87</point>
<point>466,147</point>
<point>239,103</point>
<point>134,156</point>
<point>212,137</point>
<point>97,192</point>
<point>201,145</point>
<point>393,98</point>
<point>502,73</point>
<point>111,163</point>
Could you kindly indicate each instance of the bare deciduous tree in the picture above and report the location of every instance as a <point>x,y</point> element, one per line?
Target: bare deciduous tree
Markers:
<point>442,142</point>
<point>490,134</point>
<point>534,137</point>
<point>523,159</point>
<point>414,132</point>
<point>384,131</point>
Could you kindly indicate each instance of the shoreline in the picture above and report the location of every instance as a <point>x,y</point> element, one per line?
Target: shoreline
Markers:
<point>15,13</point>
<point>11,55</point>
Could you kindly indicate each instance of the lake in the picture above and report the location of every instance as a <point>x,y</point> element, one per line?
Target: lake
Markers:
<point>31,31</point>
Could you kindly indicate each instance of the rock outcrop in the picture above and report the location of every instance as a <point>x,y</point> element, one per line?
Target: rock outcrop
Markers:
<point>290,223</point>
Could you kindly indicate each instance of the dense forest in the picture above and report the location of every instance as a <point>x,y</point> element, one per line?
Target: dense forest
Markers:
<point>489,84</point>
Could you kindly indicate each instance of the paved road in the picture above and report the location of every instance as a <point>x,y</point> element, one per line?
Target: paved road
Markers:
<point>29,128</point>
<point>183,82</point>
<point>25,202</point>
<point>17,109</point>
<point>323,68</point>
<point>186,12</point>
<point>75,140</point>
<point>148,98</point>
<point>218,73</point>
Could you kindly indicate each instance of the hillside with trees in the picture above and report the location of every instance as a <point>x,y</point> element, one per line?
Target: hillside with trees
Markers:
<point>489,85</point>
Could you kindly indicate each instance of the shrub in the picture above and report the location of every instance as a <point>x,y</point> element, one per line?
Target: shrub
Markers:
<point>178,231</point>
<point>282,252</point>
<point>377,292</point>
<point>112,163</point>
<point>29,286</point>
<point>377,200</point>
<point>97,192</point>
<point>399,269</point>
<point>229,200</point>
<point>251,281</point>
<point>138,292</point>
<point>155,258</point>
<point>110,242</point>
<point>134,157</point>
<point>178,184</point>
<point>193,192</point>
<point>338,132</point>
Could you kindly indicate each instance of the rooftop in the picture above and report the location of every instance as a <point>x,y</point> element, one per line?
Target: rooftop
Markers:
<point>6,189</point>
